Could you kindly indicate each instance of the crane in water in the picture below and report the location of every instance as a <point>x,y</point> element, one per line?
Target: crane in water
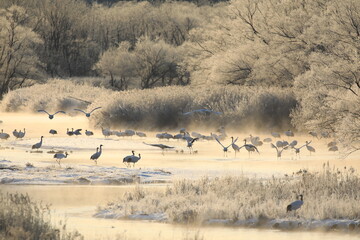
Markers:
<point>278,151</point>
<point>250,148</point>
<point>96,155</point>
<point>309,148</point>
<point>289,133</point>
<point>162,146</point>
<point>190,143</point>
<point>39,144</point>
<point>4,135</point>
<point>234,146</point>
<point>131,159</point>
<point>225,149</point>
<point>59,156</point>
<point>53,131</point>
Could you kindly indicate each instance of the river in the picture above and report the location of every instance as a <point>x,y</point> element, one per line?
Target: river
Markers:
<point>78,203</point>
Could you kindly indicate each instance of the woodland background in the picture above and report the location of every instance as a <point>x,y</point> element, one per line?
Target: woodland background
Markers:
<point>271,63</point>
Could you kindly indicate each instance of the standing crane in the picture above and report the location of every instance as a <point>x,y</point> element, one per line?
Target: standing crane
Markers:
<point>309,148</point>
<point>131,159</point>
<point>234,146</point>
<point>59,156</point>
<point>190,143</point>
<point>96,155</point>
<point>295,205</point>
<point>38,145</point>
<point>250,148</point>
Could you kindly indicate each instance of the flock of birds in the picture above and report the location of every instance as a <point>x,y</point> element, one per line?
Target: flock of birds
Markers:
<point>251,147</point>
<point>251,144</point>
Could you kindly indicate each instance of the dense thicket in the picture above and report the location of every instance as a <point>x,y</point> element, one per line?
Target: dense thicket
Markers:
<point>311,46</point>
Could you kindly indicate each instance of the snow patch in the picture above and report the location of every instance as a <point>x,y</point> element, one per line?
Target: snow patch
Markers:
<point>78,174</point>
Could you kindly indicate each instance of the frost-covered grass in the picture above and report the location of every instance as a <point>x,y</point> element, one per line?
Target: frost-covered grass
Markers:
<point>163,107</point>
<point>21,218</point>
<point>159,108</point>
<point>328,194</point>
<point>55,95</point>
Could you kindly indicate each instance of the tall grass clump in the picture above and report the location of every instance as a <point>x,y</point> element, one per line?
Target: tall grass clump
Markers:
<point>163,107</point>
<point>54,95</point>
<point>329,194</point>
<point>21,218</point>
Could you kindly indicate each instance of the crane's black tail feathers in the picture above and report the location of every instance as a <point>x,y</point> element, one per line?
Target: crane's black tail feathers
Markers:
<point>288,208</point>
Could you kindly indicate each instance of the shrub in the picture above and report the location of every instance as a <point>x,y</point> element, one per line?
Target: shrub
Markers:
<point>21,218</point>
<point>262,108</point>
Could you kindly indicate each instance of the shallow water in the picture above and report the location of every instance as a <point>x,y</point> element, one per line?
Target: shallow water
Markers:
<point>78,203</point>
<point>210,157</point>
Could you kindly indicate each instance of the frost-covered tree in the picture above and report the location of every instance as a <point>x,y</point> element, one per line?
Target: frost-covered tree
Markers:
<point>149,64</point>
<point>118,65</point>
<point>18,60</point>
<point>156,63</point>
<point>329,92</point>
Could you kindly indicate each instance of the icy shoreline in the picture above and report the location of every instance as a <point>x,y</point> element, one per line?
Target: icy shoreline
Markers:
<point>346,225</point>
<point>80,174</point>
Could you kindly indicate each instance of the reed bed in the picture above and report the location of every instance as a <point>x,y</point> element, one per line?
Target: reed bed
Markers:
<point>328,194</point>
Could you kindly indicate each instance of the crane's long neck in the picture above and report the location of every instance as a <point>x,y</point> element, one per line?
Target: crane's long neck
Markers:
<point>139,156</point>
<point>41,140</point>
<point>100,149</point>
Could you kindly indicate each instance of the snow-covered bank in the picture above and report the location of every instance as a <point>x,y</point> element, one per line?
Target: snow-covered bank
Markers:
<point>49,173</point>
<point>281,224</point>
<point>330,202</point>
<point>292,224</point>
<point>80,174</point>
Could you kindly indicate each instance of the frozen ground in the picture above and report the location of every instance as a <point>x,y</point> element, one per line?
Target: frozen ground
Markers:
<point>292,223</point>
